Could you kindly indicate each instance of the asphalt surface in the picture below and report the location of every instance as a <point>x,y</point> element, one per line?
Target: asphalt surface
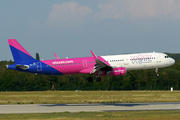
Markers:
<point>51,108</point>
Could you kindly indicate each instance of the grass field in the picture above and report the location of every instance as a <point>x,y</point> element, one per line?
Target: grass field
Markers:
<point>132,115</point>
<point>64,97</point>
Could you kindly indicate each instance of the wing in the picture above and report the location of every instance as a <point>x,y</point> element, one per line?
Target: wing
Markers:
<point>101,64</point>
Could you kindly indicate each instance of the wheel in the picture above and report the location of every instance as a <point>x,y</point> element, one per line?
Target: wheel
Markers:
<point>90,79</point>
<point>157,74</point>
<point>98,79</point>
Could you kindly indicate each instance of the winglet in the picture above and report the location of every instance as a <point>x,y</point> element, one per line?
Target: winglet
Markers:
<point>95,57</point>
<point>56,56</point>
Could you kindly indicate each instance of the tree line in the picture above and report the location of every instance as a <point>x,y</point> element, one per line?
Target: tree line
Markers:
<point>11,80</point>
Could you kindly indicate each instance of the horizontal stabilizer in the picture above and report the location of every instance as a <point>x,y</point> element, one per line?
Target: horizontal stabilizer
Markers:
<point>23,67</point>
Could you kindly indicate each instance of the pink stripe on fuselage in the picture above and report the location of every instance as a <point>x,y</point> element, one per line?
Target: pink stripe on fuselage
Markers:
<point>15,43</point>
<point>72,65</point>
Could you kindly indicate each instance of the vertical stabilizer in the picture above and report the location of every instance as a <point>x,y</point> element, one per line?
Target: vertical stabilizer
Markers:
<point>20,55</point>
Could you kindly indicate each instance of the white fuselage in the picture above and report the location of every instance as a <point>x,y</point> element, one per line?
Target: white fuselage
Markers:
<point>140,61</point>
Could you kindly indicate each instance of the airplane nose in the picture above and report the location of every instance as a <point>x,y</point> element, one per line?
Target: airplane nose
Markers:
<point>172,61</point>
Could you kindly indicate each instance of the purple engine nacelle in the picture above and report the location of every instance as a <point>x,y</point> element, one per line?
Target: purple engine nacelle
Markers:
<point>118,71</point>
<point>114,72</point>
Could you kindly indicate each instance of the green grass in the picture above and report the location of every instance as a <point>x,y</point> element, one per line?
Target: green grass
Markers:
<point>64,97</point>
<point>135,115</point>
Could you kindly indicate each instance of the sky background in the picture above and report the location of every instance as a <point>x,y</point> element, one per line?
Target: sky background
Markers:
<point>71,28</point>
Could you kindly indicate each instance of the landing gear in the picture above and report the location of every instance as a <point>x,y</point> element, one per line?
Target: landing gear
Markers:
<point>98,79</point>
<point>90,79</point>
<point>156,70</point>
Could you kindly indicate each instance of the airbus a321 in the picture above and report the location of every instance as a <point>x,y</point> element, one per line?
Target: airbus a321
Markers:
<point>114,65</point>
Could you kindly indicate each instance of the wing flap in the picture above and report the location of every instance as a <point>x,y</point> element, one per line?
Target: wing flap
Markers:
<point>100,64</point>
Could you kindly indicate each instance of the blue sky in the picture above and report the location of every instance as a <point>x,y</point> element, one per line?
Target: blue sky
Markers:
<point>71,28</point>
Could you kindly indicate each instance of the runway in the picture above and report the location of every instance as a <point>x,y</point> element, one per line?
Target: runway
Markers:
<point>106,107</point>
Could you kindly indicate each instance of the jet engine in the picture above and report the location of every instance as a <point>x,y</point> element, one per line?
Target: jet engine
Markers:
<point>118,71</point>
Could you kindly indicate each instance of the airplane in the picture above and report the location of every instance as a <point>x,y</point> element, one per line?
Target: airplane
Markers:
<point>114,65</point>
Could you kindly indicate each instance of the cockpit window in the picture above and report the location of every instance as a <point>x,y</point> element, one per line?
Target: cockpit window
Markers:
<point>166,56</point>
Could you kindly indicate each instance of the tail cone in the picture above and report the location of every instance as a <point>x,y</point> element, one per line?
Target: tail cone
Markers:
<point>7,66</point>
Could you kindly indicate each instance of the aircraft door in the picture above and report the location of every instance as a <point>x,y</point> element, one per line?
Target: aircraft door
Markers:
<point>158,59</point>
<point>126,61</point>
<point>39,66</point>
<point>84,63</point>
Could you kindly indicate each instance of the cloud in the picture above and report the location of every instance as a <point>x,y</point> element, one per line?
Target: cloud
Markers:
<point>68,13</point>
<point>138,8</point>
